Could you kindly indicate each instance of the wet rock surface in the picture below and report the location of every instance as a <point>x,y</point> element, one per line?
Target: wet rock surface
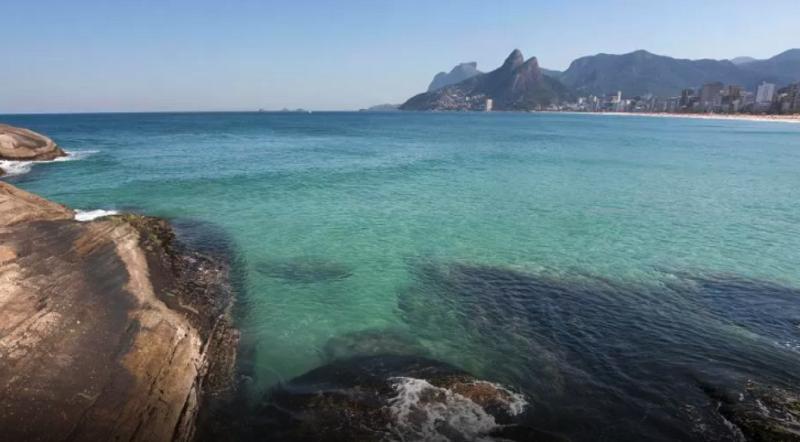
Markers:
<point>109,330</point>
<point>389,397</point>
<point>760,413</point>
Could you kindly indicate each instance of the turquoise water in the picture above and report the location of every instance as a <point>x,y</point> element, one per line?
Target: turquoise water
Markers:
<point>412,223</point>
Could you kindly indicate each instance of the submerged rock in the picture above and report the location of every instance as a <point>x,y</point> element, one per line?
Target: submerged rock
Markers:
<point>372,342</point>
<point>304,270</point>
<point>762,413</point>
<point>390,397</point>
<point>589,350</point>
<point>19,144</point>
<point>109,330</point>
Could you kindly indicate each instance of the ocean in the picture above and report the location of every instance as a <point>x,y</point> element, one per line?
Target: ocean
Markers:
<point>611,270</point>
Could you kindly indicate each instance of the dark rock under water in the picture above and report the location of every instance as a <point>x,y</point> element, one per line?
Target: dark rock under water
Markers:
<point>387,397</point>
<point>705,357</point>
<point>372,342</point>
<point>304,270</point>
<point>610,360</point>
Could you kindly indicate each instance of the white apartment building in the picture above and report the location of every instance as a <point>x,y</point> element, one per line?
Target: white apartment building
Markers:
<point>765,93</point>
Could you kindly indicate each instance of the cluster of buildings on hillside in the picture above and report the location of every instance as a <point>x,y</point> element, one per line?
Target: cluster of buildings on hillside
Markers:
<point>710,98</point>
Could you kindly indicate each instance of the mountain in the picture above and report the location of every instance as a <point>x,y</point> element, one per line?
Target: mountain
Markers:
<point>551,73</point>
<point>641,72</point>
<point>781,69</point>
<point>388,107</point>
<point>738,61</point>
<point>516,85</point>
<point>458,74</point>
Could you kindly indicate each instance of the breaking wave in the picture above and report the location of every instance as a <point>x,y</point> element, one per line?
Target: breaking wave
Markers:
<point>422,411</point>
<point>89,215</point>
<point>16,168</point>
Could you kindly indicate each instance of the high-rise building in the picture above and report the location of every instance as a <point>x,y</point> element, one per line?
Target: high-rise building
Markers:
<point>765,93</point>
<point>686,97</point>
<point>796,101</point>
<point>711,96</point>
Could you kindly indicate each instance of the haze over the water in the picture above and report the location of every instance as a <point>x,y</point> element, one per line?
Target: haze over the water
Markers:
<point>97,56</point>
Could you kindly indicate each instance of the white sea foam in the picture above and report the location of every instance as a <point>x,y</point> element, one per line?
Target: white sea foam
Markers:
<point>88,215</point>
<point>14,168</point>
<point>423,412</point>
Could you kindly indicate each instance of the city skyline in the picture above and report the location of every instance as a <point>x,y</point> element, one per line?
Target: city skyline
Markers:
<point>318,55</point>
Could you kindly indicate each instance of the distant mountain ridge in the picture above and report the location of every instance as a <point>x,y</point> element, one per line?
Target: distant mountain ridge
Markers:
<point>641,72</point>
<point>738,61</point>
<point>518,84</point>
<point>783,68</point>
<point>458,74</point>
<point>636,73</point>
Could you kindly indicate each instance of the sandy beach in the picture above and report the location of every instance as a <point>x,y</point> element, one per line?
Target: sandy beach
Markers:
<point>795,118</point>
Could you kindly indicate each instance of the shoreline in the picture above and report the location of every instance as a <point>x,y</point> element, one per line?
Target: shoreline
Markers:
<point>795,118</point>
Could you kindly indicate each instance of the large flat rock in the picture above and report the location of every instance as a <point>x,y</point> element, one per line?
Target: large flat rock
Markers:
<point>20,144</point>
<point>102,337</point>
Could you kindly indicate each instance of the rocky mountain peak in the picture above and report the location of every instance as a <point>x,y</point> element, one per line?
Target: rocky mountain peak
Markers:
<point>514,60</point>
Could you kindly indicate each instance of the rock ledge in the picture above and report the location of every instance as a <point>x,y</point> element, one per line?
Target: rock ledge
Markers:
<point>109,330</point>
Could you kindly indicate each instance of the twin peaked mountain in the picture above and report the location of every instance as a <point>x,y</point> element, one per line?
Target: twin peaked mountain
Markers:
<point>523,85</point>
<point>516,85</point>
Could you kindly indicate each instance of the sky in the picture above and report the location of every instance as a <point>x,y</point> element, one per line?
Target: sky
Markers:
<point>201,55</point>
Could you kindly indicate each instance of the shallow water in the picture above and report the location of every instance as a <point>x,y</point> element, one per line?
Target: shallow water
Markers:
<point>608,268</point>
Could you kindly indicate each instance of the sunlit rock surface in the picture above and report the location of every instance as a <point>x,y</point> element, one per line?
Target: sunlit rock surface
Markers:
<point>108,330</point>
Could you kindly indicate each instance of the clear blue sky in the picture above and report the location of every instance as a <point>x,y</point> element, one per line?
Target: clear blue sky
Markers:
<point>120,55</point>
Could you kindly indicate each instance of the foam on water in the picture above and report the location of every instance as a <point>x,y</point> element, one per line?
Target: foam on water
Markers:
<point>423,412</point>
<point>89,215</point>
<point>16,168</point>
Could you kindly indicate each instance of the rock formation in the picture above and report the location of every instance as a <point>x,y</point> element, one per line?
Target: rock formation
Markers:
<point>760,412</point>
<point>390,397</point>
<point>19,144</point>
<point>109,330</point>
<point>458,74</point>
<point>516,85</point>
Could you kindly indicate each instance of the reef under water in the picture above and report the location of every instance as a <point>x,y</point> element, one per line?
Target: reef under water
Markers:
<point>304,270</point>
<point>614,360</point>
<point>550,356</point>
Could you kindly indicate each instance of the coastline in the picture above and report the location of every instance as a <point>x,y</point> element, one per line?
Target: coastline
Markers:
<point>795,118</point>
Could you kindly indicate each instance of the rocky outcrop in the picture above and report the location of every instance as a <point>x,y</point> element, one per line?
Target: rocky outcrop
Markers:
<point>109,330</point>
<point>19,144</point>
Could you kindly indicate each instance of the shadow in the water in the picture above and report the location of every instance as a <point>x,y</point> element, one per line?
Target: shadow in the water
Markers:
<point>372,342</point>
<point>222,408</point>
<point>304,270</point>
<point>609,360</point>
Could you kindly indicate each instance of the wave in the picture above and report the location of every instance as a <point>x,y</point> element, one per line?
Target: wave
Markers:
<point>89,215</point>
<point>16,168</point>
<point>421,411</point>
